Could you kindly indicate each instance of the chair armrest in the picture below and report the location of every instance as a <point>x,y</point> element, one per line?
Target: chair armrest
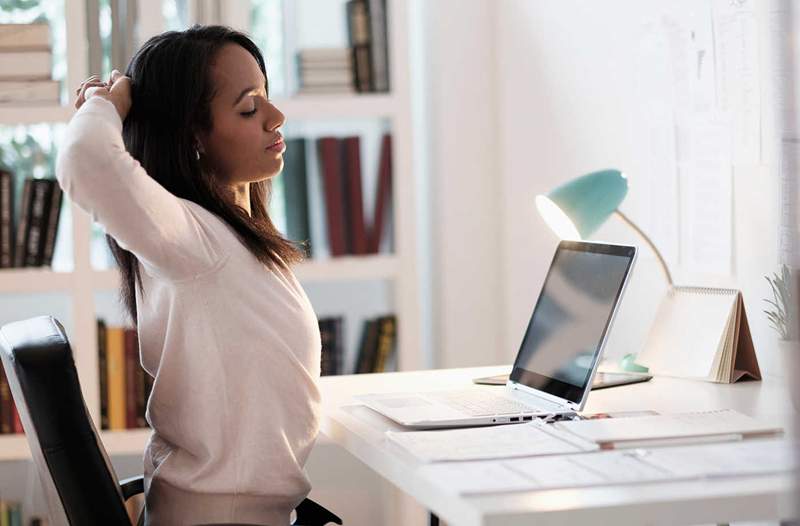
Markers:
<point>132,486</point>
<point>309,513</point>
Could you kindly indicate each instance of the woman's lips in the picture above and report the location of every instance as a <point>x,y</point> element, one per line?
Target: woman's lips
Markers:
<point>278,147</point>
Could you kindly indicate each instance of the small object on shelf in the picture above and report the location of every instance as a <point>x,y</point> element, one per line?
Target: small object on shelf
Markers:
<point>325,71</point>
<point>367,36</point>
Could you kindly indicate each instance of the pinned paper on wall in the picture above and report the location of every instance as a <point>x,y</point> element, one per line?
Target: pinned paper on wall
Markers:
<point>738,75</point>
<point>706,195</point>
<point>789,201</point>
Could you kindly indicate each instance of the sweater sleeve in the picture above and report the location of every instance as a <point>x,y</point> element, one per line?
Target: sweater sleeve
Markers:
<point>168,236</point>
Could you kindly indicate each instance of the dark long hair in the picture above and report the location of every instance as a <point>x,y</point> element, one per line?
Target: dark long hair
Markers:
<point>171,92</point>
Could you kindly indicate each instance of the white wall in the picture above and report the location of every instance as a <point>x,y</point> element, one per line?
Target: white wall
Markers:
<point>552,84</point>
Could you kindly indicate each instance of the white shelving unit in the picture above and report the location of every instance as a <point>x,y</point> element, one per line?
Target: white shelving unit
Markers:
<point>401,268</point>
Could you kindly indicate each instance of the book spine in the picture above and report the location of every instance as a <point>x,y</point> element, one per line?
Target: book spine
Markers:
<point>359,37</point>
<point>24,36</point>
<point>6,219</point>
<point>326,337</point>
<point>383,196</point>
<point>29,91</point>
<point>26,65</point>
<point>34,245</point>
<point>368,347</point>
<point>296,193</point>
<point>358,230</point>
<point>115,361</point>
<point>6,411</point>
<point>131,366</point>
<point>102,365</point>
<point>23,223</point>
<point>53,217</point>
<point>379,50</point>
<point>330,157</point>
<point>386,342</point>
<point>16,420</point>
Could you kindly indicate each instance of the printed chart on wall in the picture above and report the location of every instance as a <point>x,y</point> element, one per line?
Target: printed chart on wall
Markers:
<point>699,93</point>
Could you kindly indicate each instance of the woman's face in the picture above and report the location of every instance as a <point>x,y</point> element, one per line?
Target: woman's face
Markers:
<point>244,144</point>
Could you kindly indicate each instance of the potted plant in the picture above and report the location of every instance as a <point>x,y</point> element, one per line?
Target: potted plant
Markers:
<point>782,316</point>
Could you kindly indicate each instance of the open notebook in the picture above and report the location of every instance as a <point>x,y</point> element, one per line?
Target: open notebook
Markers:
<point>701,333</point>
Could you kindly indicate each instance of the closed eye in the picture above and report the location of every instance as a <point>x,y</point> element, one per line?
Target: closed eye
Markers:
<point>248,113</point>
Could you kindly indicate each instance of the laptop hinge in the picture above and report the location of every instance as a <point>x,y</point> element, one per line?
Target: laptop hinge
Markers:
<point>562,403</point>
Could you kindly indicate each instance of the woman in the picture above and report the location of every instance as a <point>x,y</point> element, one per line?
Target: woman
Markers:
<point>174,160</point>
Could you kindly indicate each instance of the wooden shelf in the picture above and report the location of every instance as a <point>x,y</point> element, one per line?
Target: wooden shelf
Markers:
<point>28,280</point>
<point>21,114</point>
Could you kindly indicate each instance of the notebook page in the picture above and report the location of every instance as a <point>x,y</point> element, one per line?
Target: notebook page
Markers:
<point>518,440</point>
<point>688,331</point>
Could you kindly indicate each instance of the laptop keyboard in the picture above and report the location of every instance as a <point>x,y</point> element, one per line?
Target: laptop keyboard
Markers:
<point>481,403</point>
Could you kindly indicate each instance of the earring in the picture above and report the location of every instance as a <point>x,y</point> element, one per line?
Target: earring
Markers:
<point>197,154</point>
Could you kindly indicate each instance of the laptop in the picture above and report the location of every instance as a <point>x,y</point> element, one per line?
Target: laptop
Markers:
<point>558,357</point>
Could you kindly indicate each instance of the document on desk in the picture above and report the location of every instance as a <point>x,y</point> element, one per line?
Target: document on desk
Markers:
<point>507,441</point>
<point>608,468</point>
<point>614,433</point>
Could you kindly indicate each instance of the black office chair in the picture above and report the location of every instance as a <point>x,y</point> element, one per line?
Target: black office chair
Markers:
<point>79,482</point>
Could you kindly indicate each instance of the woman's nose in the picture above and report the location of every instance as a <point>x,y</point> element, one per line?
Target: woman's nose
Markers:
<point>275,119</point>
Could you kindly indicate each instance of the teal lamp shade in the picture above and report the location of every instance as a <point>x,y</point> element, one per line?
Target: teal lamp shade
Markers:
<point>577,208</point>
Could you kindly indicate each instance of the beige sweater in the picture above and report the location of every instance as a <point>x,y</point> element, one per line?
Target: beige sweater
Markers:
<point>234,347</point>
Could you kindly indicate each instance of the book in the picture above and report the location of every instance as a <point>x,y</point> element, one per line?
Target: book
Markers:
<point>383,196</point>
<point>35,36</point>
<point>365,361</point>
<point>379,49</point>
<point>40,205</point>
<point>115,369</point>
<point>387,342</point>
<point>102,375</point>
<point>701,333</point>
<point>357,234</point>
<point>295,184</point>
<point>358,31</point>
<point>53,217</point>
<point>23,223</point>
<point>330,155</point>
<point>6,403</point>
<point>30,91</point>
<point>6,219</point>
<point>332,336</point>
<point>701,426</point>
<point>131,389</point>
<point>26,65</point>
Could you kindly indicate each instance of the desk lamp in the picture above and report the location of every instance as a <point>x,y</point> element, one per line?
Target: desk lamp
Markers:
<point>577,208</point>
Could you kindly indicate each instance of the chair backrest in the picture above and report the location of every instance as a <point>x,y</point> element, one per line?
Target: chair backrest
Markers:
<point>79,483</point>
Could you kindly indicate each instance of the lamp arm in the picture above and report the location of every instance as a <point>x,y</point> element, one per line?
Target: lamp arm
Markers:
<point>649,243</point>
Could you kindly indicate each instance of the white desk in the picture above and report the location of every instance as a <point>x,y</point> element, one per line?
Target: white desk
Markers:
<point>361,432</point>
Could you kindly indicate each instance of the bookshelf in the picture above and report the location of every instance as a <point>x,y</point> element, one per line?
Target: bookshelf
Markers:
<point>401,269</point>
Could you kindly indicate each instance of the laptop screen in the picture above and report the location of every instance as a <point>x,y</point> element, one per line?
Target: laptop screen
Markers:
<point>569,323</point>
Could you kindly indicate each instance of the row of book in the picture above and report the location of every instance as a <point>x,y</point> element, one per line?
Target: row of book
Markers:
<point>28,239</point>
<point>376,349</point>
<point>26,63</point>
<point>362,67</point>
<point>11,513</point>
<point>124,385</point>
<point>10,422</point>
<point>339,161</point>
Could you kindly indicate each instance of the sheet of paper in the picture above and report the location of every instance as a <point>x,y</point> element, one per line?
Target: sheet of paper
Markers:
<point>615,467</point>
<point>522,440</point>
<point>736,44</point>
<point>706,183</point>
<point>790,200</point>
